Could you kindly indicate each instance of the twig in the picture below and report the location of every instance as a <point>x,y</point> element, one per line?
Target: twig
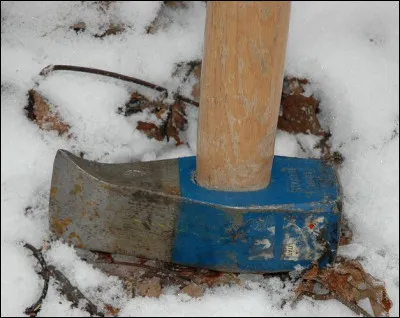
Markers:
<point>72,293</point>
<point>51,68</point>
<point>354,307</point>
<point>35,308</point>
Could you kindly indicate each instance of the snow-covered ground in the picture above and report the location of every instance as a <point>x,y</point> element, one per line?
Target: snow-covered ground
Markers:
<point>350,52</point>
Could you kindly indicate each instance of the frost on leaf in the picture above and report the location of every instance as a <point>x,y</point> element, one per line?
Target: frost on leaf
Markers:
<point>350,284</point>
<point>39,111</point>
<point>299,108</point>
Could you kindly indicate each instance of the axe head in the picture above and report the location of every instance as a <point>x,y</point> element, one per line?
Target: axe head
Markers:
<point>156,210</point>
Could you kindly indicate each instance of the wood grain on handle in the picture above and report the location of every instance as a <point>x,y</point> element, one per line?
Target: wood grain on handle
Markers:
<point>241,85</point>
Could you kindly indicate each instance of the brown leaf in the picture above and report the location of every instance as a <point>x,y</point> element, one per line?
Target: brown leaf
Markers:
<point>112,311</point>
<point>176,4</point>
<point>311,273</point>
<point>176,121</point>
<point>112,29</point>
<point>299,112</point>
<point>217,279</point>
<point>193,290</point>
<point>299,115</point>
<point>150,288</point>
<point>349,283</point>
<point>173,124</point>
<point>294,86</point>
<point>78,27</point>
<point>39,111</point>
<point>151,130</point>
<point>138,103</point>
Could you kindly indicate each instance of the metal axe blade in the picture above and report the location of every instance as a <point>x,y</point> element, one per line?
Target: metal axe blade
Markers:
<point>156,210</point>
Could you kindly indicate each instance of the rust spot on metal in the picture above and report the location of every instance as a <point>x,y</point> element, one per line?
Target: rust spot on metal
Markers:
<point>173,190</point>
<point>53,192</point>
<point>59,225</point>
<point>75,239</point>
<point>77,189</point>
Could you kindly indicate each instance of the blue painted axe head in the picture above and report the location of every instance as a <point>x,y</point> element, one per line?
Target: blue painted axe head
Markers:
<point>156,210</point>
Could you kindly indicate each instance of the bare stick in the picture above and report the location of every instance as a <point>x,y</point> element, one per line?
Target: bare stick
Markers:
<point>51,68</point>
<point>72,293</point>
<point>35,308</point>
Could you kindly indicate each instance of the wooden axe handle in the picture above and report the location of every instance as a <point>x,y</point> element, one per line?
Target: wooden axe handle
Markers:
<point>241,86</point>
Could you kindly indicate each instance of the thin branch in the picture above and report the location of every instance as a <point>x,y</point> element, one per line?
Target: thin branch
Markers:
<point>51,68</point>
<point>71,292</point>
<point>35,308</point>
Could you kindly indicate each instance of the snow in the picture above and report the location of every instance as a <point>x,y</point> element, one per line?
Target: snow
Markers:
<point>349,51</point>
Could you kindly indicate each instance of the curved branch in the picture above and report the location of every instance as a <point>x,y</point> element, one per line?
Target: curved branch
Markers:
<point>35,308</point>
<point>51,68</point>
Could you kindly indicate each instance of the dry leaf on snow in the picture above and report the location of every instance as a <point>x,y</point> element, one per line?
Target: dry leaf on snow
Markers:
<point>347,282</point>
<point>40,112</point>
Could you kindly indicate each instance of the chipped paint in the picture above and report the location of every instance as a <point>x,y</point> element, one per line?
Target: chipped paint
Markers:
<point>261,249</point>
<point>301,238</point>
<point>265,243</point>
<point>271,229</point>
<point>291,250</point>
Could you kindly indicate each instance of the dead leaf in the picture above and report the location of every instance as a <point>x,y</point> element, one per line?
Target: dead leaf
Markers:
<point>78,27</point>
<point>349,283</point>
<point>39,111</point>
<point>112,29</point>
<point>193,290</point>
<point>176,121</point>
<point>112,311</point>
<point>151,130</point>
<point>294,86</point>
<point>150,288</point>
<point>176,4</point>
<point>346,234</point>
<point>138,103</point>
<point>299,112</point>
